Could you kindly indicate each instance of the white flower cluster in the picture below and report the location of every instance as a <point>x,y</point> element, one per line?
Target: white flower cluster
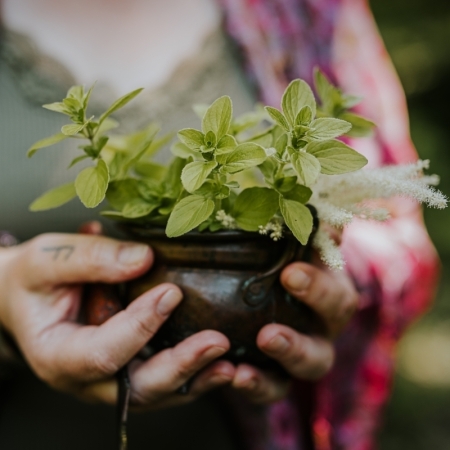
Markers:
<point>274,229</point>
<point>225,219</point>
<point>340,198</point>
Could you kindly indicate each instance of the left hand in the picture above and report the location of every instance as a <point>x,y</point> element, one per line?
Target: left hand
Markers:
<point>330,294</point>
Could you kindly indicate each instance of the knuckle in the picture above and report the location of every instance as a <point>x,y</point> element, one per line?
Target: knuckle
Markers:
<point>101,363</point>
<point>96,255</point>
<point>142,327</point>
<point>184,368</point>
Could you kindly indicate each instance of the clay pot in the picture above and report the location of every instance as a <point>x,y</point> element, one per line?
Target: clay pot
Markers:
<point>230,282</point>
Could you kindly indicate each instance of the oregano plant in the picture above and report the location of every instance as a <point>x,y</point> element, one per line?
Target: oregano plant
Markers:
<point>285,158</point>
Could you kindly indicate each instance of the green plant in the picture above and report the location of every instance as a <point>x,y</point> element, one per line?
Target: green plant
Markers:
<point>285,163</point>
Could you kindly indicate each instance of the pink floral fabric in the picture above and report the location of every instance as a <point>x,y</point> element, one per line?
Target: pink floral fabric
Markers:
<point>394,264</point>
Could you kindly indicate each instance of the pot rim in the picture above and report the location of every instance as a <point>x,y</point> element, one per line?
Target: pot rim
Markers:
<point>154,231</point>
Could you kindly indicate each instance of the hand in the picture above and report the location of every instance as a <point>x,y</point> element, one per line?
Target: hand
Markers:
<point>332,295</point>
<point>39,303</point>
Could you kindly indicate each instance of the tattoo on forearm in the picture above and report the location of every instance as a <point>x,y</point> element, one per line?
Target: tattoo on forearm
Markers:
<point>60,251</point>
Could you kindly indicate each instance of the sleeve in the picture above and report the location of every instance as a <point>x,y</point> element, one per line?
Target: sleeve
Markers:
<point>394,264</point>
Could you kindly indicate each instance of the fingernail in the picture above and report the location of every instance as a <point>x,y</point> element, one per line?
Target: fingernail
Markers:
<point>131,254</point>
<point>168,302</point>
<point>213,353</point>
<point>278,344</point>
<point>298,280</point>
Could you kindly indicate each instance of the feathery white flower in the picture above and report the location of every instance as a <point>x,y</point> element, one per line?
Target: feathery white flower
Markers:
<point>328,251</point>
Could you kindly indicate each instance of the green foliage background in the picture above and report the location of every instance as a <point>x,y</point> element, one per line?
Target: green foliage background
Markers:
<point>417,35</point>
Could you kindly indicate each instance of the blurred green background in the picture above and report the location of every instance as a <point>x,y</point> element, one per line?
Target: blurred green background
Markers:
<point>417,35</point>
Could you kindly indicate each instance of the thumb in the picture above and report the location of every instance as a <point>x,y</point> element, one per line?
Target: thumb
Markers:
<point>55,259</point>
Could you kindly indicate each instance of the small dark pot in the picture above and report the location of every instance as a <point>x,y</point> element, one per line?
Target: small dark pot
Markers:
<point>230,282</point>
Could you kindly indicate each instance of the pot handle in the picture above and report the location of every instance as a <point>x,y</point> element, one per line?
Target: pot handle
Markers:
<point>256,288</point>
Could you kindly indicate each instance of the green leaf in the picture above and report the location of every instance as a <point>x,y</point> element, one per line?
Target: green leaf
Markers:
<point>297,95</point>
<point>277,117</point>
<point>335,157</point>
<point>281,144</point>
<point>226,145</point>
<point>54,198</point>
<point>298,193</point>
<point>157,144</point>
<point>121,192</point>
<point>138,208</point>
<point>73,104</point>
<point>47,142</point>
<point>349,101</point>
<point>192,138</point>
<point>150,169</point>
<point>72,129</point>
<point>113,215</point>
<point>189,213</point>
<point>76,92</point>
<point>322,85</point>
<point>328,128</point>
<point>87,97</point>
<point>149,189</point>
<point>268,168</point>
<point>120,103</point>
<point>247,120</point>
<point>243,157</point>
<point>91,184</point>
<point>264,139</point>
<point>307,167</point>
<point>254,207</point>
<point>218,117</point>
<point>143,146</point>
<point>361,127</point>
<point>181,150</point>
<point>224,192</point>
<point>298,218</point>
<point>58,107</point>
<point>210,140</point>
<point>285,184</point>
<point>172,182</point>
<point>77,160</point>
<point>304,116</point>
<point>194,174</point>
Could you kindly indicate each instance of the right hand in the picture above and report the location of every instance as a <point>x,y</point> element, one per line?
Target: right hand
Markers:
<point>41,283</point>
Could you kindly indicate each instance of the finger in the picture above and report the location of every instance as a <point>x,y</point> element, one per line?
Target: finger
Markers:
<point>331,294</point>
<point>94,227</point>
<point>89,353</point>
<point>104,391</point>
<point>304,357</point>
<point>168,370</point>
<point>260,387</point>
<point>217,374</point>
<point>55,259</point>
